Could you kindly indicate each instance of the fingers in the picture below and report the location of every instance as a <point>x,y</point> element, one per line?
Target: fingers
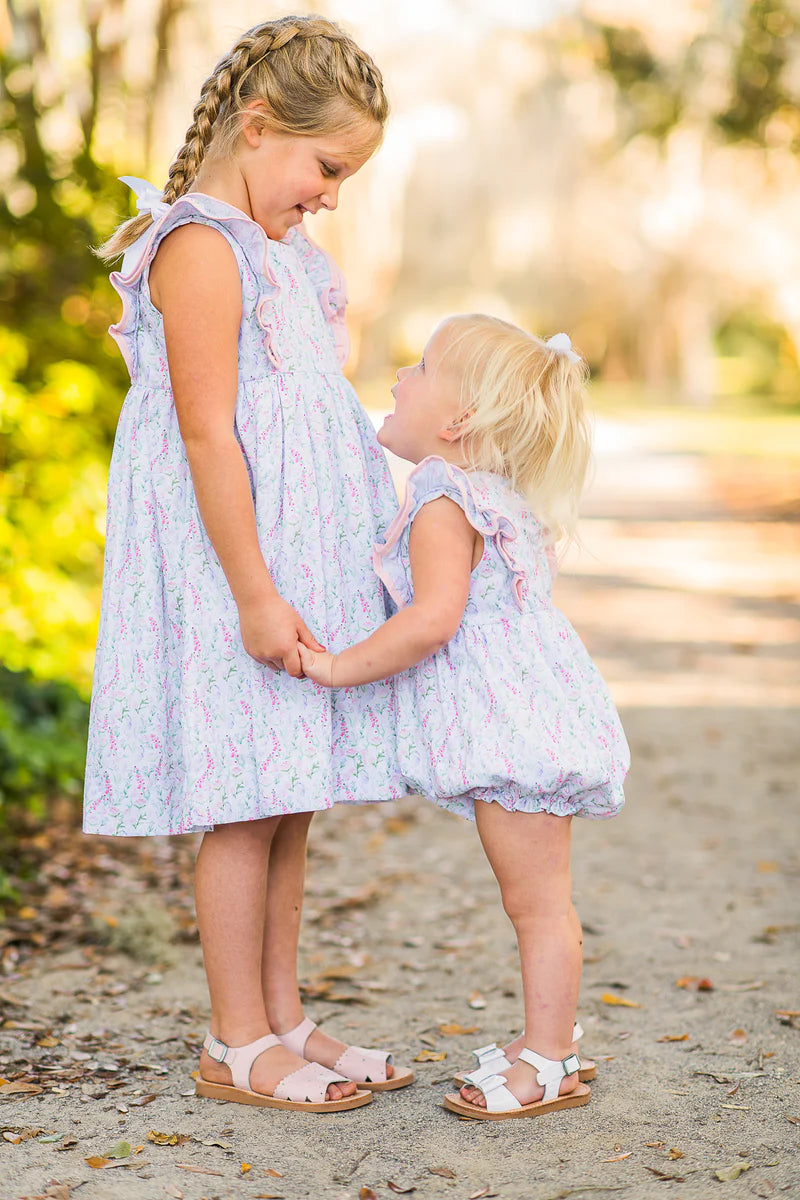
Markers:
<point>292,664</point>
<point>307,657</point>
<point>307,638</point>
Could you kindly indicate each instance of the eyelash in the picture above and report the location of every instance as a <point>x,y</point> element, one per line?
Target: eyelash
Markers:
<point>328,171</point>
<point>422,364</point>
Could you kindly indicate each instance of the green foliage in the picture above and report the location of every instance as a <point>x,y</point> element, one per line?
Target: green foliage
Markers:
<point>765,77</point>
<point>650,98</point>
<point>757,357</point>
<point>43,728</point>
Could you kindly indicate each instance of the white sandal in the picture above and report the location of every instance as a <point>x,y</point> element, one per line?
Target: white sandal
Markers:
<point>502,1104</point>
<point>367,1067</point>
<point>303,1090</point>
<point>492,1061</point>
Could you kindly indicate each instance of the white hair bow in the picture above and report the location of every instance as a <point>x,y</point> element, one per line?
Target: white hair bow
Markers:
<point>561,343</point>
<point>148,197</point>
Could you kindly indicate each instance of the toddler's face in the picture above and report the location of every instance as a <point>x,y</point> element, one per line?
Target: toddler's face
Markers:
<point>426,401</point>
<point>286,177</point>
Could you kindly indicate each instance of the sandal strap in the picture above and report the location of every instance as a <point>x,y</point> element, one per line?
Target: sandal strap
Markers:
<point>295,1040</point>
<point>363,1066</point>
<point>550,1071</point>
<point>309,1084</point>
<point>239,1059</point>
<point>498,1097</point>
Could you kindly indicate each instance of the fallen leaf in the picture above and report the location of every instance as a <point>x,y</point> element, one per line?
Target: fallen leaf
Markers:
<point>395,1187</point>
<point>431,1056</point>
<point>476,1000</point>
<point>96,1161</point>
<point>14,1138</point>
<point>366,1193</point>
<point>445,1172</point>
<point>787,1012</point>
<point>212,1142</point>
<point>654,1145</point>
<point>140,1101</point>
<point>274,1174</point>
<point>167,1139</point>
<point>738,1037</point>
<point>675,1153</point>
<point>26,913</point>
<point>738,1107</point>
<point>726,1174</point>
<point>751,985</point>
<point>454,1029</point>
<point>47,1043</point>
<point>173,1191</point>
<point>267,1196</point>
<point>674,1037</point>
<point>121,1150</point>
<point>480,1195</point>
<point>20,1089</point>
<point>618,1158</point>
<point>610,998</point>
<point>245,1167</point>
<point>767,866</point>
<point>694,983</point>
<point>197,1170</point>
<point>794,1120</point>
<point>665,1175</point>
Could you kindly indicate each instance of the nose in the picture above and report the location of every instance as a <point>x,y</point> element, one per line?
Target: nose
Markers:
<point>401,374</point>
<point>329,198</point>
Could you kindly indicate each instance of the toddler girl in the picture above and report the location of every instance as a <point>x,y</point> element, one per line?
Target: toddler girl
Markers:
<point>501,715</point>
<point>246,489</point>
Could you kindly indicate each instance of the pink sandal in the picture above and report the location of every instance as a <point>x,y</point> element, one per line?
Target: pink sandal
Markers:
<point>302,1090</point>
<point>367,1067</point>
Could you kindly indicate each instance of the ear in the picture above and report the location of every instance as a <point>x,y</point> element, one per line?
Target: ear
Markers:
<point>253,123</point>
<point>452,432</point>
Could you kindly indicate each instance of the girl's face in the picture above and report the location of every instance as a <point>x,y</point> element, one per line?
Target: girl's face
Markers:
<point>426,407</point>
<point>286,177</point>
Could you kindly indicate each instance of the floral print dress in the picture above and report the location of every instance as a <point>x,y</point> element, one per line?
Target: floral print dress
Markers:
<point>512,709</point>
<point>187,730</point>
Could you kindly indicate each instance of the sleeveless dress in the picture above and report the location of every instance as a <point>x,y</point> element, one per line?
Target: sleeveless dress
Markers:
<point>512,709</point>
<point>186,729</point>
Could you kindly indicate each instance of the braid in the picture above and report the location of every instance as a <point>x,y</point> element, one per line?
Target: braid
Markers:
<point>215,95</point>
<point>309,78</point>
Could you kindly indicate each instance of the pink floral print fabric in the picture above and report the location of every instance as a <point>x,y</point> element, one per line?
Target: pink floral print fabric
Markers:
<point>187,731</point>
<point>512,710</point>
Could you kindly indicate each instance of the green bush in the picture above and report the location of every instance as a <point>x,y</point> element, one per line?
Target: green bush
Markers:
<point>43,729</point>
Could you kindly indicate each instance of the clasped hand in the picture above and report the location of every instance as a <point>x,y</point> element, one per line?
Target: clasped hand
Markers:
<point>273,633</point>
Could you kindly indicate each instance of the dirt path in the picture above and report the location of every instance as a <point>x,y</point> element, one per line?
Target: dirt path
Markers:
<point>692,618</point>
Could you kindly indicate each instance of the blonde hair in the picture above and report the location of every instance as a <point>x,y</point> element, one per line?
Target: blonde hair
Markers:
<point>310,77</point>
<point>523,414</point>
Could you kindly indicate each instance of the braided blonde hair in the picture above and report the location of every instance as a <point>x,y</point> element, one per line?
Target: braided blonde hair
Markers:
<point>311,78</point>
<point>523,413</point>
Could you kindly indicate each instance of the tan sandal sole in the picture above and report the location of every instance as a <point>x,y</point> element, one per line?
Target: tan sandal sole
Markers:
<point>585,1075</point>
<point>222,1091</point>
<point>389,1085</point>
<point>574,1099</point>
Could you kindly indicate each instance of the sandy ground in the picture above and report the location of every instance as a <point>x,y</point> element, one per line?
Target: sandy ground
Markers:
<point>691,614</point>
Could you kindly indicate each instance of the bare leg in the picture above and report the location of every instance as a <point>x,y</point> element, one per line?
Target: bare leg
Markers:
<point>283,914</point>
<point>230,890</point>
<point>529,854</point>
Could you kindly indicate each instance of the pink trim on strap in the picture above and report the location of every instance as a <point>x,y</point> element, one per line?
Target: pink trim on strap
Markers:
<point>497,525</point>
<point>207,207</point>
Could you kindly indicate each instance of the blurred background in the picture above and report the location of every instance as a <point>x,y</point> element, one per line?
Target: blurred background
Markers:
<point>623,170</point>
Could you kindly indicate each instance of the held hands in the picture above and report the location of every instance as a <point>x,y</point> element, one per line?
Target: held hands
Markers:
<point>273,633</point>
<point>317,665</point>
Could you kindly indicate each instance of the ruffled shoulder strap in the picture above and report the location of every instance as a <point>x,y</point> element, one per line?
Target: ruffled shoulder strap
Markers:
<point>430,479</point>
<point>329,284</point>
<point>197,207</point>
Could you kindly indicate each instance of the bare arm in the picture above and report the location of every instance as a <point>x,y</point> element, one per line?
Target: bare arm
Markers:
<point>194,281</point>
<point>442,547</point>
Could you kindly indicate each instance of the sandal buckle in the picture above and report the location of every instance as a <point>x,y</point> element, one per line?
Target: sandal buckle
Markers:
<point>217,1050</point>
<point>571,1064</point>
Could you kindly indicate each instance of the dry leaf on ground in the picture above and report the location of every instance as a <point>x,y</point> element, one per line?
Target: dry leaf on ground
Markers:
<point>476,1000</point>
<point>197,1170</point>
<point>693,983</point>
<point>453,1029</point>
<point>618,1158</point>
<point>430,1056</point>
<point>620,1001</point>
<point>366,1193</point>
<point>445,1172</point>
<point>395,1187</point>
<point>674,1037</point>
<point>727,1174</point>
